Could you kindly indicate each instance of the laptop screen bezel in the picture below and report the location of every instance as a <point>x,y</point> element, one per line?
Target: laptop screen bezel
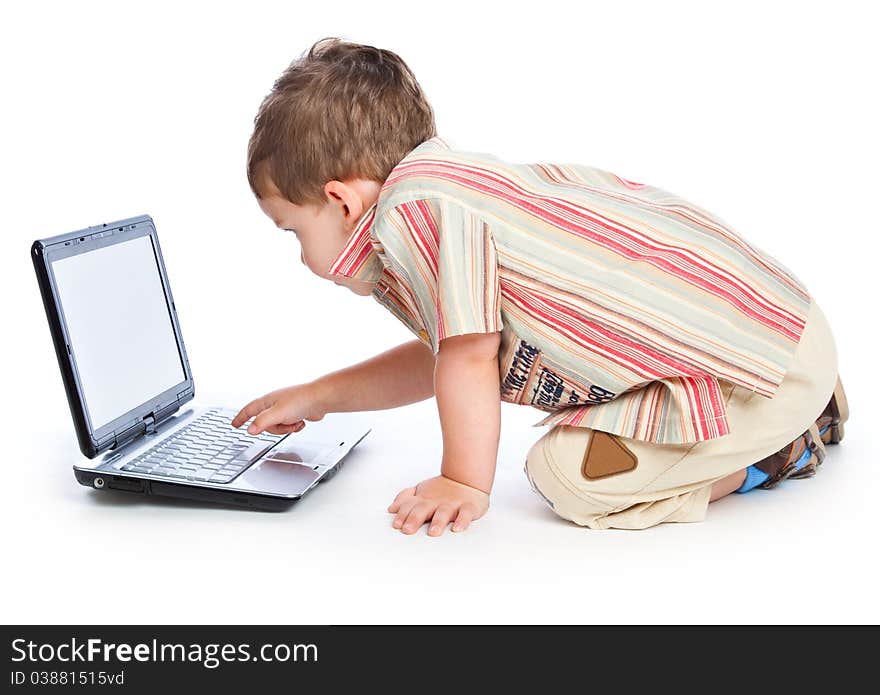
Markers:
<point>91,239</point>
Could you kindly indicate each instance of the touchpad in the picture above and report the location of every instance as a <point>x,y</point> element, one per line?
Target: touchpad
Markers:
<point>279,474</point>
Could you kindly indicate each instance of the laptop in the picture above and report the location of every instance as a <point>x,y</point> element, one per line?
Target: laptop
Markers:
<point>130,388</point>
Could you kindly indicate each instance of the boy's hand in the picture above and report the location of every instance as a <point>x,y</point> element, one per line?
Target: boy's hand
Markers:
<point>281,411</point>
<point>438,500</point>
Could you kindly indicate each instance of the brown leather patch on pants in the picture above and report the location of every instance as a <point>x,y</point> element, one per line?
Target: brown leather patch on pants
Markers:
<point>606,455</point>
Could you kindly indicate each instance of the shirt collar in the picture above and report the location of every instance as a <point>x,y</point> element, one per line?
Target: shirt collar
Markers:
<point>359,258</point>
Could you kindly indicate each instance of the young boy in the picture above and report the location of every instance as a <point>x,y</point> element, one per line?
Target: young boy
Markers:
<point>677,362</point>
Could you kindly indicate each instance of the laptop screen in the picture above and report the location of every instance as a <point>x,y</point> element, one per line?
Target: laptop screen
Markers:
<point>120,328</point>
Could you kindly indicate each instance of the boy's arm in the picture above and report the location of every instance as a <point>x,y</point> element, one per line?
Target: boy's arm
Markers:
<point>396,377</point>
<point>466,386</point>
<point>401,375</point>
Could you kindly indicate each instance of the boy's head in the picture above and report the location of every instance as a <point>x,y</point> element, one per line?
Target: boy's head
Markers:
<point>335,124</point>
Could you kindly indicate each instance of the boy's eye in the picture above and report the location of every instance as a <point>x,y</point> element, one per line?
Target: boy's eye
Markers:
<point>290,230</point>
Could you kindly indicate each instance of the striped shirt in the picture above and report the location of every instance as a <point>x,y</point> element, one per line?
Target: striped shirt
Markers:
<point>620,305</point>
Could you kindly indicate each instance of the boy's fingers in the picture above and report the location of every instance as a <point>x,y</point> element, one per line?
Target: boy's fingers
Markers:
<point>286,429</point>
<point>441,519</point>
<point>464,518</point>
<point>417,515</point>
<point>405,507</point>
<point>243,415</point>
<point>402,495</point>
<point>265,419</point>
<point>253,408</point>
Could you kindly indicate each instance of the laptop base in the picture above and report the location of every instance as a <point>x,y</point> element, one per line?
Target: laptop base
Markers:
<point>102,481</point>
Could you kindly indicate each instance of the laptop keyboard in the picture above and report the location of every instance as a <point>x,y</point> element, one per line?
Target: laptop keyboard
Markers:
<point>208,449</point>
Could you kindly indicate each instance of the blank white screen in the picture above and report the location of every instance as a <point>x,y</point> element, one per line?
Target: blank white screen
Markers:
<point>120,329</point>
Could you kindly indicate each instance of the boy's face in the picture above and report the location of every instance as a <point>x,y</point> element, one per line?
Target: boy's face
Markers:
<point>323,232</point>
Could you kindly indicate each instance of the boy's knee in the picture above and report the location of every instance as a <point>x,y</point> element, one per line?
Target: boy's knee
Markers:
<point>553,485</point>
<point>536,466</point>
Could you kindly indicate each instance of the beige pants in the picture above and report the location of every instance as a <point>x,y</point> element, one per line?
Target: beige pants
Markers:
<point>672,482</point>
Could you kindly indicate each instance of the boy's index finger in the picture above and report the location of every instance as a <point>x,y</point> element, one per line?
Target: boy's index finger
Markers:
<point>253,408</point>
<point>241,417</point>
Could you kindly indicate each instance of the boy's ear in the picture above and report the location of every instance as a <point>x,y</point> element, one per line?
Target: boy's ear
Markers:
<point>341,192</point>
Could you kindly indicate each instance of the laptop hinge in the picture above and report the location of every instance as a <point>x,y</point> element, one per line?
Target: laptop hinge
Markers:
<point>146,425</point>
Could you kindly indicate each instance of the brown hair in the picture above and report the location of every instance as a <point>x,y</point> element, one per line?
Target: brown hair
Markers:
<point>342,110</point>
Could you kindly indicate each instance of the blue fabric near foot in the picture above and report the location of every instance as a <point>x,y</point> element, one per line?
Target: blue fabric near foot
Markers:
<point>755,476</point>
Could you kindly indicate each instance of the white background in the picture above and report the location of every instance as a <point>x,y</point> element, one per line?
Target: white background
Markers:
<point>764,114</point>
